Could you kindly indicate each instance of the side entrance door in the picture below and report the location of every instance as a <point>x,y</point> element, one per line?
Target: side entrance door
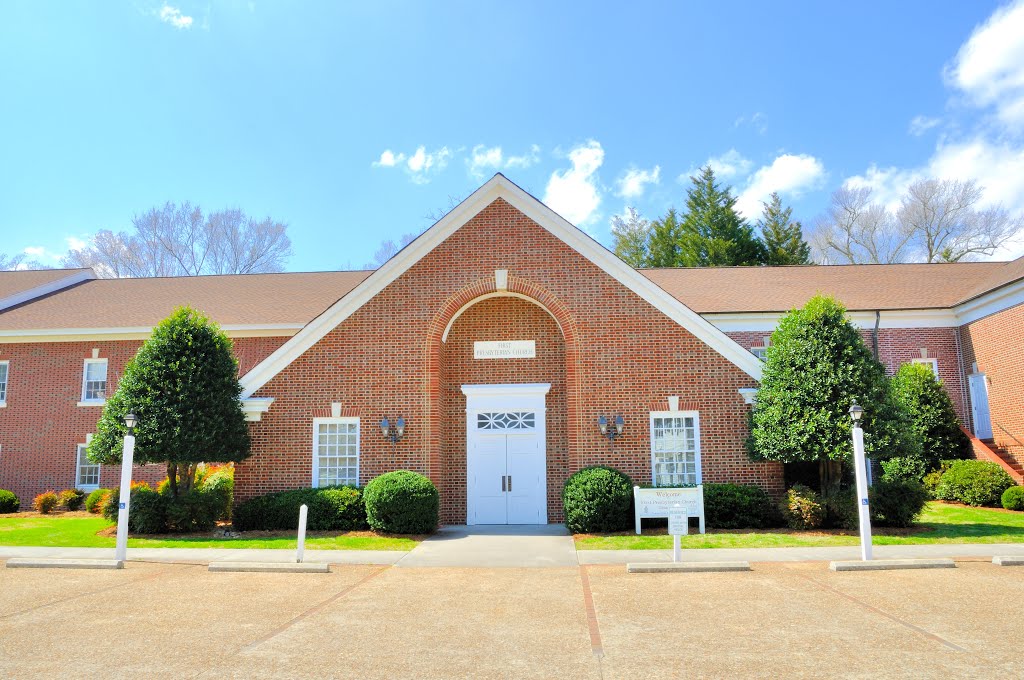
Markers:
<point>506,457</point>
<point>979,406</point>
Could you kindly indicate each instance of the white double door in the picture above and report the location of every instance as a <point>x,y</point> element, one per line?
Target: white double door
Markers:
<point>506,456</point>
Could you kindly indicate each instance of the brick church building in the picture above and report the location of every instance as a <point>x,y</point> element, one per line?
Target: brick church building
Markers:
<point>500,336</point>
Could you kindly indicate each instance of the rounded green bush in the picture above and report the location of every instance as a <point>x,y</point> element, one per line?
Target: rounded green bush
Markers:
<point>402,502</point>
<point>8,502</point>
<point>739,506</point>
<point>45,502</point>
<point>331,508</point>
<point>94,499</point>
<point>902,468</point>
<point>72,499</point>
<point>974,482</point>
<point>1013,498</point>
<point>897,503</point>
<point>598,498</point>
<point>148,512</point>
<point>802,508</point>
<point>222,483</point>
<point>841,509</point>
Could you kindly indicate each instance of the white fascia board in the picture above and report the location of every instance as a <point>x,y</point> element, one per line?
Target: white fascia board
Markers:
<point>990,303</point>
<point>765,322</point>
<point>498,187</point>
<point>46,288</point>
<point>254,408</point>
<point>138,333</point>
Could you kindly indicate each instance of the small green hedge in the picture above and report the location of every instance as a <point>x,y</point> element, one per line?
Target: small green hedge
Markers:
<point>974,482</point>
<point>897,503</point>
<point>9,502</point>
<point>402,502</point>
<point>739,506</point>
<point>93,500</point>
<point>802,508</point>
<point>152,512</point>
<point>330,508</point>
<point>1013,498</point>
<point>72,499</point>
<point>598,499</point>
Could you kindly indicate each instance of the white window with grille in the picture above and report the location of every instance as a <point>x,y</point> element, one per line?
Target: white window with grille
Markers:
<point>94,381</point>
<point>87,476</point>
<point>933,364</point>
<point>3,382</point>
<point>335,451</point>
<point>675,448</point>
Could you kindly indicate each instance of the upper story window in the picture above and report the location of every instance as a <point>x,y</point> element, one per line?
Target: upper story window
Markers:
<point>335,451</point>
<point>759,352</point>
<point>675,448</point>
<point>3,382</point>
<point>930,363</point>
<point>94,381</point>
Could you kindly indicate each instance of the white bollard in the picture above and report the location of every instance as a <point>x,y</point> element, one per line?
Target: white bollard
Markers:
<point>121,549</point>
<point>863,509</point>
<point>302,533</point>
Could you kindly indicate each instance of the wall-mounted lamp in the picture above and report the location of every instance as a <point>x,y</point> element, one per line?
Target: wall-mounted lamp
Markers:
<point>611,432</point>
<point>393,432</point>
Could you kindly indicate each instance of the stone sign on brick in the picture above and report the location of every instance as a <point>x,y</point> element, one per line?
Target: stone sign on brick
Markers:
<point>505,349</point>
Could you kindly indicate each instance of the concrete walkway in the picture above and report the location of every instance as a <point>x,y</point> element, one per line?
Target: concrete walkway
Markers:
<point>547,545</point>
<point>207,555</point>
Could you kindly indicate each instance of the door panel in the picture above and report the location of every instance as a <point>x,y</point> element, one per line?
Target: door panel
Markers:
<point>526,469</point>
<point>490,505</point>
<point>979,406</point>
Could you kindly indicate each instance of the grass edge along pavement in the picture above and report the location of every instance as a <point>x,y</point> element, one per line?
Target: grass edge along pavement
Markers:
<point>940,523</point>
<point>80,530</point>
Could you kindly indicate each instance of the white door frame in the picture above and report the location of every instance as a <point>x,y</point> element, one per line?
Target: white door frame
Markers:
<point>979,397</point>
<point>506,397</point>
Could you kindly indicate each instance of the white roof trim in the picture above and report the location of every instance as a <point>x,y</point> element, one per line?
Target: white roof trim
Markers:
<point>730,322</point>
<point>498,186</point>
<point>46,288</point>
<point>138,333</point>
<point>991,302</point>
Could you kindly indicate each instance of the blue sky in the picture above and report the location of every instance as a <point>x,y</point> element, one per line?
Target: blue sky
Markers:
<point>353,121</point>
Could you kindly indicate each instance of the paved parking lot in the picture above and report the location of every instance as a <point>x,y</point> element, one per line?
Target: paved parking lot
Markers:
<point>783,619</point>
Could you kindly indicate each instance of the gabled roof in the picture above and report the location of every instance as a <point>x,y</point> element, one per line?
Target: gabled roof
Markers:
<point>859,287</point>
<point>288,301</point>
<point>497,187</point>
<point>17,287</point>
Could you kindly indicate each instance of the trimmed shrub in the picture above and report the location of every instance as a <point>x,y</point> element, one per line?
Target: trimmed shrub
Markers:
<point>841,509</point>
<point>46,502</point>
<point>1013,498</point>
<point>72,499</point>
<point>932,415</point>
<point>802,508</point>
<point>148,512</point>
<point>8,502</point>
<point>931,482</point>
<point>598,498</point>
<point>196,510</point>
<point>897,503</point>
<point>151,512</point>
<point>96,501</point>
<point>401,502</point>
<point>331,508</point>
<point>974,482</point>
<point>221,482</point>
<point>903,468</point>
<point>738,506</point>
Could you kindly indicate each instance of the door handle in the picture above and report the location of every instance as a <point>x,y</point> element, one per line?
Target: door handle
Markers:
<point>510,483</point>
<point>503,483</point>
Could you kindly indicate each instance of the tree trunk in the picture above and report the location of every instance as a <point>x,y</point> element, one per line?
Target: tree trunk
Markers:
<point>172,477</point>
<point>830,475</point>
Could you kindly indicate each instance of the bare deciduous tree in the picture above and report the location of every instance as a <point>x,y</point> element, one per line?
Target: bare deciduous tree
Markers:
<point>18,261</point>
<point>937,221</point>
<point>947,227</point>
<point>388,249</point>
<point>179,241</point>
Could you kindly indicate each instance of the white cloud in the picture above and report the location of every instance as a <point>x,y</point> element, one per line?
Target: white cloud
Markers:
<point>788,174</point>
<point>526,160</point>
<point>389,159</point>
<point>631,184</point>
<point>922,124</point>
<point>35,251</point>
<point>75,243</point>
<point>574,193</point>
<point>729,164</point>
<point>421,165</point>
<point>989,67</point>
<point>40,253</point>
<point>756,121</point>
<point>483,160</point>
<point>174,17</point>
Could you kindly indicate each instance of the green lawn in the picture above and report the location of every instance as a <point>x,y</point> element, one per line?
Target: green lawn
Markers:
<point>76,531</point>
<point>940,523</point>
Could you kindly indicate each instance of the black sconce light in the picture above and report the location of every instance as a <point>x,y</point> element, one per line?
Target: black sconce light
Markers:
<point>611,432</point>
<point>393,432</point>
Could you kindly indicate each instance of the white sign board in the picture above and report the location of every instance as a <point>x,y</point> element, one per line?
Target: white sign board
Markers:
<point>661,502</point>
<point>678,523</point>
<point>505,349</point>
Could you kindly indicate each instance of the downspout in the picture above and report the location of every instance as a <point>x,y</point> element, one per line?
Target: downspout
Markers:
<point>874,334</point>
<point>968,416</point>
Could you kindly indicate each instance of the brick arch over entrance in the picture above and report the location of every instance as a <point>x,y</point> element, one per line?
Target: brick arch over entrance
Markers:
<point>463,302</point>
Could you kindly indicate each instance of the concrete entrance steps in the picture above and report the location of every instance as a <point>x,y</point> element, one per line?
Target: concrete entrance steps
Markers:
<point>528,545</point>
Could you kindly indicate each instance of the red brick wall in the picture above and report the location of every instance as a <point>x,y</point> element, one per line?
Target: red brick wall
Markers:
<point>995,344</point>
<point>621,357</point>
<point>42,425</point>
<point>898,346</point>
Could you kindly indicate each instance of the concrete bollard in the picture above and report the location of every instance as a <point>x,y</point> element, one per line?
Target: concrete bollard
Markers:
<point>302,534</point>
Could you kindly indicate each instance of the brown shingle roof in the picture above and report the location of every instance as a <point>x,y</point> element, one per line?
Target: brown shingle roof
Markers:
<point>858,287</point>
<point>244,299</point>
<point>15,282</point>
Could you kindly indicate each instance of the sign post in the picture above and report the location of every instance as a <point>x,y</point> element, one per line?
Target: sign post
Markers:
<point>678,525</point>
<point>301,545</point>
<point>863,509</point>
<point>124,499</point>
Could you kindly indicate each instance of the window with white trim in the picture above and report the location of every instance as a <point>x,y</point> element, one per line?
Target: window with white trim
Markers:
<point>3,381</point>
<point>94,380</point>
<point>87,475</point>
<point>675,448</point>
<point>930,363</point>
<point>759,352</point>
<point>335,451</point>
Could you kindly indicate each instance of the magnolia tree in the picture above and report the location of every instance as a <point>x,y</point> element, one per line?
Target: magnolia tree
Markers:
<point>816,367</point>
<point>183,388</point>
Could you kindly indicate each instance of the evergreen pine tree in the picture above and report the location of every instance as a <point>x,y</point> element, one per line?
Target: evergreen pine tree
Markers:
<point>712,233</point>
<point>632,237</point>
<point>783,239</point>
<point>663,250</point>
